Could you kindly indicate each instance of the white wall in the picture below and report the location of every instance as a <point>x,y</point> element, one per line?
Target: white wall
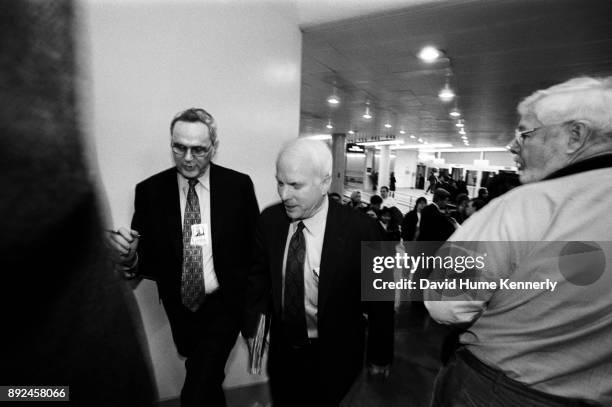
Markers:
<point>147,61</point>
<point>405,168</point>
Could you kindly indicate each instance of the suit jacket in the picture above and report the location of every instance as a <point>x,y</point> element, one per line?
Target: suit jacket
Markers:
<point>341,324</point>
<point>435,226</point>
<point>157,216</point>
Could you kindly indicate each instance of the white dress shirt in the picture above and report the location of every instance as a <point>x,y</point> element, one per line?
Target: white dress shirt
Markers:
<point>202,189</point>
<point>314,232</point>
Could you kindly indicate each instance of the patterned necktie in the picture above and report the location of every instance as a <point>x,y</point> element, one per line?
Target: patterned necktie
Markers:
<point>294,316</point>
<point>192,279</point>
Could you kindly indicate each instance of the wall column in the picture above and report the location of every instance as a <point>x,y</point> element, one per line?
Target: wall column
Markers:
<point>339,162</point>
<point>384,170</point>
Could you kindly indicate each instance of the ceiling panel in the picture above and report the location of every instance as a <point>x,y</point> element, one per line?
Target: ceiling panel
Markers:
<point>498,53</point>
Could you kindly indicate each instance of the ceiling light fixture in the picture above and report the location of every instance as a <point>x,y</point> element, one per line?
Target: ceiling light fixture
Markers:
<point>329,124</point>
<point>402,132</point>
<point>387,125</point>
<point>429,54</point>
<point>460,123</point>
<point>333,99</point>
<point>412,136</point>
<point>420,140</point>
<point>446,94</point>
<point>367,114</point>
<point>455,113</point>
<point>462,131</point>
<point>351,132</point>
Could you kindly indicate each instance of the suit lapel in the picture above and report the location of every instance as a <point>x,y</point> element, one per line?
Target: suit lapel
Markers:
<point>333,247</point>
<point>172,212</point>
<point>276,268</point>
<point>216,208</point>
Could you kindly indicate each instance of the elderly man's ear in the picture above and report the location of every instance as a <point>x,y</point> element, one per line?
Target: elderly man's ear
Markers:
<point>578,134</point>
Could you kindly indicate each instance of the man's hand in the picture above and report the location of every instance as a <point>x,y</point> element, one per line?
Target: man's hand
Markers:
<point>376,371</point>
<point>123,244</point>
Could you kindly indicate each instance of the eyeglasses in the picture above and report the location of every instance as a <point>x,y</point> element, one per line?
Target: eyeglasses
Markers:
<point>197,151</point>
<point>521,135</point>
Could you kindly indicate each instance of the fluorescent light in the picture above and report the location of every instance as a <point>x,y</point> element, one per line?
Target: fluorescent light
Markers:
<point>461,149</point>
<point>381,143</point>
<point>429,54</point>
<point>320,137</point>
<point>421,147</point>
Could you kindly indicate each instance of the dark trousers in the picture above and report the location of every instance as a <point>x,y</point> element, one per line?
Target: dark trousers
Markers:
<point>295,377</point>
<point>467,382</point>
<point>212,335</point>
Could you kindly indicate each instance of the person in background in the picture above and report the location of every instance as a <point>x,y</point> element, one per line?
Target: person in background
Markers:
<point>483,195</point>
<point>307,277</point>
<point>388,223</point>
<point>412,221</point>
<point>388,200</point>
<point>200,279</point>
<point>375,202</point>
<point>460,213</point>
<point>433,181</point>
<point>536,346</point>
<point>436,225</point>
<point>473,205</point>
<point>355,201</point>
<point>392,182</point>
<point>334,196</point>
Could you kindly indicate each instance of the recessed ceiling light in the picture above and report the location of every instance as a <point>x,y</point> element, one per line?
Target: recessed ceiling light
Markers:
<point>429,54</point>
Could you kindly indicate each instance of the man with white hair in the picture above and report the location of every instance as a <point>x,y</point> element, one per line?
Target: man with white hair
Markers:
<point>539,347</point>
<point>307,278</point>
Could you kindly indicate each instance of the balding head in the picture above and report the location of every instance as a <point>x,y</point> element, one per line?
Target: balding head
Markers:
<point>303,174</point>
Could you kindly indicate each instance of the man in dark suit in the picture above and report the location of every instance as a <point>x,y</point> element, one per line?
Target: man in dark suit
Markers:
<point>435,225</point>
<point>307,277</point>
<point>189,223</point>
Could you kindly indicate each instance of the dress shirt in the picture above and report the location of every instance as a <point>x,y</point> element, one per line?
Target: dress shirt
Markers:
<point>558,342</point>
<point>202,189</point>
<point>314,232</point>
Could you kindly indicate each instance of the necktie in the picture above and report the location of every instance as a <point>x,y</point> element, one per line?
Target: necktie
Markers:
<point>192,279</point>
<point>294,313</point>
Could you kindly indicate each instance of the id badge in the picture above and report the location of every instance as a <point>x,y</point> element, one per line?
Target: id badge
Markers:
<point>199,235</point>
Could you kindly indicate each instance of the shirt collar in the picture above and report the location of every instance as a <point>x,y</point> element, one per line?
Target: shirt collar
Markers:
<point>316,223</point>
<point>204,180</point>
<point>593,163</point>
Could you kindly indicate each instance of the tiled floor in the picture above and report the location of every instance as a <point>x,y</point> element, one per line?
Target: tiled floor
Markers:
<point>417,350</point>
